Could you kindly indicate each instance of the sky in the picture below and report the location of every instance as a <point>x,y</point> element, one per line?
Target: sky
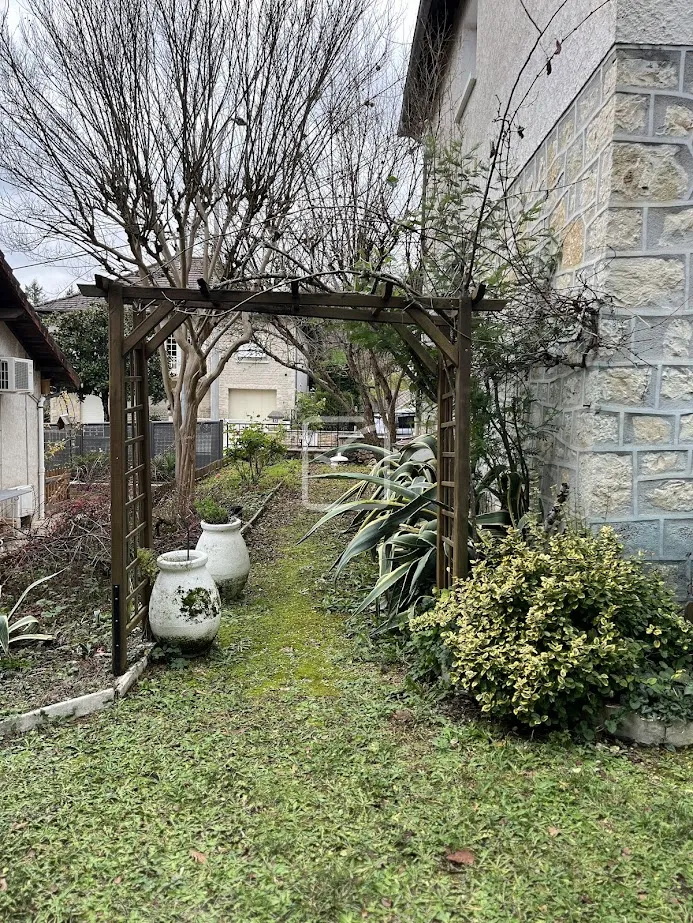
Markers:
<point>56,278</point>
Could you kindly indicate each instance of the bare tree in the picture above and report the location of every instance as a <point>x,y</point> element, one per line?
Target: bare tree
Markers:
<point>361,191</point>
<point>177,139</point>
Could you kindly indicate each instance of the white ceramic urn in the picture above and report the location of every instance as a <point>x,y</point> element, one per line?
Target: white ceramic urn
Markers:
<point>229,561</point>
<point>184,608</point>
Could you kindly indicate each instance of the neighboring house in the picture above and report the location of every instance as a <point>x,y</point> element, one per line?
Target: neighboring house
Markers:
<point>31,365</point>
<point>607,148</point>
<point>251,386</point>
<point>254,386</point>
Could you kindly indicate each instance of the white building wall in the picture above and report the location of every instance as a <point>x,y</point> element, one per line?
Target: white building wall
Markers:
<point>19,429</point>
<point>504,39</point>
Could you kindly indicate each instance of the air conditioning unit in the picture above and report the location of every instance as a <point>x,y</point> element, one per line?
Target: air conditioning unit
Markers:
<point>16,374</point>
<point>16,503</point>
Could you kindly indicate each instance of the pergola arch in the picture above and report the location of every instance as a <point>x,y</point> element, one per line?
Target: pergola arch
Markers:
<point>157,314</point>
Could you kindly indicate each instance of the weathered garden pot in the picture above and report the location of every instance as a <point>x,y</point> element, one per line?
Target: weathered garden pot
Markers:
<point>229,561</point>
<point>184,608</point>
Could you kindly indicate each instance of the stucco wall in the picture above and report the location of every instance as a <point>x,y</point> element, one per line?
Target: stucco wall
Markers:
<point>19,448</point>
<point>505,36</point>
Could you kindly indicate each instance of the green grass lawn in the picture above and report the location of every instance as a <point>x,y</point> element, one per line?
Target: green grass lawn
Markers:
<point>286,779</point>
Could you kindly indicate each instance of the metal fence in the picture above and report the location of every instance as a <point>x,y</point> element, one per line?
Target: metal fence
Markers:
<point>64,447</point>
<point>295,438</point>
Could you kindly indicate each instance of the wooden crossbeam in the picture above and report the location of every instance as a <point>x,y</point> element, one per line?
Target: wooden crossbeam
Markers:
<point>419,350</point>
<point>440,339</point>
<point>264,302</point>
<point>169,328</point>
<point>146,325</point>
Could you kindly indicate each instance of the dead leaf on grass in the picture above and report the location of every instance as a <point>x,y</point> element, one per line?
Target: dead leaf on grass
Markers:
<point>554,831</point>
<point>3,884</point>
<point>198,856</point>
<point>461,857</point>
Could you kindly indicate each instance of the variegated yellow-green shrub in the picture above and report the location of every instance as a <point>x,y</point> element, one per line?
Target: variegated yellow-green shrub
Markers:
<point>550,627</point>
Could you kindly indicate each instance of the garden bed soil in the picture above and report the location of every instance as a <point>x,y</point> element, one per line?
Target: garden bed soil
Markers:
<point>75,609</point>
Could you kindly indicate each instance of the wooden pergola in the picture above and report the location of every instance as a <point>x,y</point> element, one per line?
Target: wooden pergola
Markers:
<point>159,311</point>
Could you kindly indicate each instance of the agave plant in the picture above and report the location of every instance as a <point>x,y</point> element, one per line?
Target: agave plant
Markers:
<point>394,515</point>
<point>11,632</point>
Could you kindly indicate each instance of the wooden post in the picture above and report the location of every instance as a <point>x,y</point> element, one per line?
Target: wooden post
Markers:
<point>147,537</point>
<point>116,366</point>
<point>460,565</point>
<point>441,582</point>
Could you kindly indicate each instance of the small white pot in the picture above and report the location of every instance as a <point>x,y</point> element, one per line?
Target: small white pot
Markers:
<point>229,561</point>
<point>184,608</point>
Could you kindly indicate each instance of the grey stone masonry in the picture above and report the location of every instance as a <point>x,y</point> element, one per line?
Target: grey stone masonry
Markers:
<point>617,176</point>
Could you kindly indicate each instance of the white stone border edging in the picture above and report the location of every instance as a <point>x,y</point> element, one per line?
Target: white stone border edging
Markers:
<point>78,707</point>
<point>651,731</point>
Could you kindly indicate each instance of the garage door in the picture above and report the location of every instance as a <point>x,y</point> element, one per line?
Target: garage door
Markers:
<point>251,403</point>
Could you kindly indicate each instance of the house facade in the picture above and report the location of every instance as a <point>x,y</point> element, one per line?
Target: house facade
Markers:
<point>254,386</point>
<point>31,366</point>
<point>607,151</point>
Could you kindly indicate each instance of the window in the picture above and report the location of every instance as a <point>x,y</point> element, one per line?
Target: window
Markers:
<point>467,59</point>
<point>172,351</point>
<point>250,352</point>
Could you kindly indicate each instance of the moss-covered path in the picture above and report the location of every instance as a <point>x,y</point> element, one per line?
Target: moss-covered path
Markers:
<point>286,780</point>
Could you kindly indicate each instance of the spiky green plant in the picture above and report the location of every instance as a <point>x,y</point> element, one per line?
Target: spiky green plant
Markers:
<point>394,516</point>
<point>12,632</point>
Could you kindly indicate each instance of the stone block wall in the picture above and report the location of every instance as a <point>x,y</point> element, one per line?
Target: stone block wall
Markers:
<point>617,176</point>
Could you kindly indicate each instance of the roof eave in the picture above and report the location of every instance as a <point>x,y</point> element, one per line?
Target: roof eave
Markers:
<point>29,330</point>
<point>412,122</point>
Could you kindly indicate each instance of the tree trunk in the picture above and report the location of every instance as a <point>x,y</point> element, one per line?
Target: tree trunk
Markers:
<point>392,425</point>
<point>185,436</point>
<point>186,402</point>
<point>370,432</point>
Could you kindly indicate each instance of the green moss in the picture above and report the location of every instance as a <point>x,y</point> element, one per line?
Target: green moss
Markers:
<point>198,603</point>
<point>288,640</point>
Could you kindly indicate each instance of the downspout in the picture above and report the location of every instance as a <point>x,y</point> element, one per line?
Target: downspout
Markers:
<point>41,459</point>
<point>214,389</point>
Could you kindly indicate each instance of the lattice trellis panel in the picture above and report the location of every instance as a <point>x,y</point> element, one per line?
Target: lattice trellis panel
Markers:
<point>131,520</point>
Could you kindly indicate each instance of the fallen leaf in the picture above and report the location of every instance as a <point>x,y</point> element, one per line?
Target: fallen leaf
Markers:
<point>117,881</point>
<point>198,856</point>
<point>3,884</point>
<point>386,902</point>
<point>626,852</point>
<point>554,831</point>
<point>461,857</point>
